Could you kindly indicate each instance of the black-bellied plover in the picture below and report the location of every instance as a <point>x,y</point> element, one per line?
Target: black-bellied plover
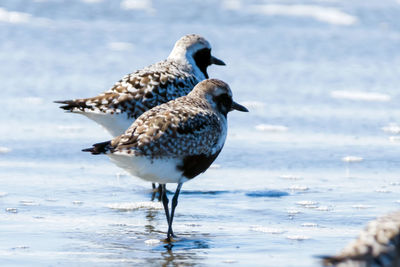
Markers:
<point>377,246</point>
<point>176,141</point>
<point>144,89</point>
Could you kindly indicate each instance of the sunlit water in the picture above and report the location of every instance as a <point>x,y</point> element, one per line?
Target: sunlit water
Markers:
<point>315,159</point>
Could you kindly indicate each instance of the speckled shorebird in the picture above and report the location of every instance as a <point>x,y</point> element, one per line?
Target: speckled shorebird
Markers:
<point>176,141</point>
<point>144,89</point>
<point>377,246</point>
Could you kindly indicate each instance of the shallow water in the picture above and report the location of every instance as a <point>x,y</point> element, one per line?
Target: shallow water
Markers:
<point>300,175</point>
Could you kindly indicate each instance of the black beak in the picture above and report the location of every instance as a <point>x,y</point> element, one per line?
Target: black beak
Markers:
<point>236,106</point>
<point>216,61</point>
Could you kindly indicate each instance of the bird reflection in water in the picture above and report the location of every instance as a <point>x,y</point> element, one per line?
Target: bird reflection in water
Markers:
<point>183,255</point>
<point>151,215</point>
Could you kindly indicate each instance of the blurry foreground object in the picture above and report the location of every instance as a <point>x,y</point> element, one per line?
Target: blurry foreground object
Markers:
<point>377,246</point>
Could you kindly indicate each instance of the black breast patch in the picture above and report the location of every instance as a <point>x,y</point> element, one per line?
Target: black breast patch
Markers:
<point>196,164</point>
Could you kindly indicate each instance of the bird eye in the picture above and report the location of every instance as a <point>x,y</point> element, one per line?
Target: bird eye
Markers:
<point>224,102</point>
<point>202,59</point>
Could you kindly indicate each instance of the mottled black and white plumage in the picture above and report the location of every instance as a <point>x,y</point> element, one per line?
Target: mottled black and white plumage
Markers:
<point>377,246</point>
<point>176,141</point>
<point>144,89</point>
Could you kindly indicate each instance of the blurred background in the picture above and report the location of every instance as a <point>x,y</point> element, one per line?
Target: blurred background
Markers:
<point>316,158</point>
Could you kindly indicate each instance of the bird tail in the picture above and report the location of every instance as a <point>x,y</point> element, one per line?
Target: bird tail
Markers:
<point>73,105</point>
<point>99,148</point>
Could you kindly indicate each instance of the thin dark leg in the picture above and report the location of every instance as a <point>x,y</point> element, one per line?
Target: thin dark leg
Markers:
<point>153,192</point>
<point>165,201</point>
<point>159,192</point>
<point>174,204</point>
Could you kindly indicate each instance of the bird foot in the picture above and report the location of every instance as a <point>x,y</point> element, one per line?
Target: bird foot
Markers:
<point>170,239</point>
<point>155,190</point>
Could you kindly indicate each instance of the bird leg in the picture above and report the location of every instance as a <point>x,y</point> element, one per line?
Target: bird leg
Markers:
<point>165,201</point>
<point>159,190</point>
<point>155,191</point>
<point>174,204</point>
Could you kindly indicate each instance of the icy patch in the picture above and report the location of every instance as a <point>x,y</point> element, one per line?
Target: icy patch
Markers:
<point>323,208</point>
<point>14,17</point>
<point>120,46</point>
<point>215,166</point>
<point>352,159</point>
<point>152,242</point>
<point>271,128</point>
<point>298,188</point>
<point>135,206</point>
<point>28,203</point>
<point>381,190</point>
<point>361,207</point>
<point>319,13</point>
<point>306,203</point>
<point>137,5</point>
<point>229,261</point>
<point>293,211</point>
<point>309,206</point>
<point>3,194</point>
<point>4,150</point>
<point>290,177</point>
<point>12,210</point>
<point>192,224</point>
<point>392,128</point>
<point>298,237</point>
<point>309,225</point>
<point>268,230</point>
<point>361,96</point>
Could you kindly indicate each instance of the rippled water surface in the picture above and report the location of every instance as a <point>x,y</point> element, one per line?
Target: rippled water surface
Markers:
<point>316,158</point>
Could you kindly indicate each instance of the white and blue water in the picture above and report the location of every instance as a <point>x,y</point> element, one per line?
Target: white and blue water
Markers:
<point>321,80</point>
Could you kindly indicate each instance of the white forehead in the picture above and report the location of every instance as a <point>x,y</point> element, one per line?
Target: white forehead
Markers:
<point>192,41</point>
<point>188,45</point>
<point>214,87</point>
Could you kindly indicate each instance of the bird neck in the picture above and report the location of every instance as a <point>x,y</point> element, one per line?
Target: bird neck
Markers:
<point>181,57</point>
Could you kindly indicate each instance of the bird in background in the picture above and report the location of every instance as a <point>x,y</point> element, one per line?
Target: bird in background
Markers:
<point>378,245</point>
<point>176,141</point>
<point>151,86</point>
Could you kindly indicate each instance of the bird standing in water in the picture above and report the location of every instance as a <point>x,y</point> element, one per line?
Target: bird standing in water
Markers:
<point>176,141</point>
